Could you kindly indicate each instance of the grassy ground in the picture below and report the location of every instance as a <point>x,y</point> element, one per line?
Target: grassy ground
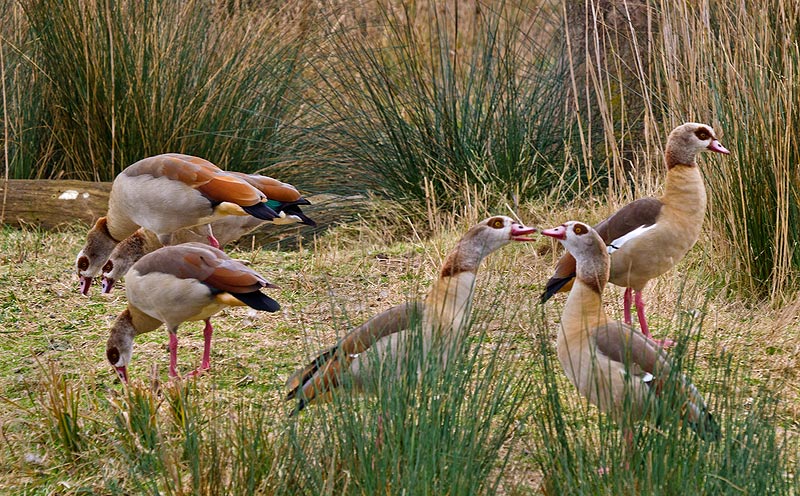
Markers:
<point>53,342</point>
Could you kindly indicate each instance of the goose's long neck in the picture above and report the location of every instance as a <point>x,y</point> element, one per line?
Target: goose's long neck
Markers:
<point>685,191</point>
<point>447,306</point>
<point>120,225</point>
<point>141,321</point>
<point>584,310</point>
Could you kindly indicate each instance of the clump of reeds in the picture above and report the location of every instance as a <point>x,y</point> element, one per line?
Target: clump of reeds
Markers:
<point>582,451</point>
<point>107,84</point>
<point>426,99</point>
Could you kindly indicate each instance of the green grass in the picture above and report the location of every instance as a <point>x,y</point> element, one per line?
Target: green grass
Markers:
<point>440,98</point>
<point>502,418</point>
<point>182,78</point>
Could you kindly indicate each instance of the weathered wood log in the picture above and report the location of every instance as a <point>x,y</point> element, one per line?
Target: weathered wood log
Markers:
<point>52,203</point>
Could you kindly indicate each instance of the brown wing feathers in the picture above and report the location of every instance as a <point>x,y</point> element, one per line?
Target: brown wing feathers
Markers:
<point>623,344</point>
<point>322,374</point>
<point>642,212</point>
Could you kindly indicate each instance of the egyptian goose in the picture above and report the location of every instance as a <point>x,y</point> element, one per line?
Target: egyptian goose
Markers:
<point>444,314</point>
<point>165,193</point>
<point>180,283</point>
<point>283,198</point>
<point>649,236</point>
<point>605,359</point>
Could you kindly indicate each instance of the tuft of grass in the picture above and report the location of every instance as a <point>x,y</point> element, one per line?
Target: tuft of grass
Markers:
<point>438,97</point>
<point>576,441</point>
<point>60,407</point>
<point>131,79</point>
<point>430,426</point>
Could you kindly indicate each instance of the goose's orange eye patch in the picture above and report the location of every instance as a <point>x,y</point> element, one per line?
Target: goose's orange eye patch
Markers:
<point>702,134</point>
<point>496,223</point>
<point>580,229</point>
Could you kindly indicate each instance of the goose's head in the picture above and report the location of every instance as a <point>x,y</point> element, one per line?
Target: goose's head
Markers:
<point>95,253</point>
<point>496,232</point>
<point>481,240</point>
<point>119,347</point>
<point>588,248</point>
<point>689,139</point>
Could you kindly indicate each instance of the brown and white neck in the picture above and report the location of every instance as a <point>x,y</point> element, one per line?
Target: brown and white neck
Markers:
<point>119,224</point>
<point>583,311</point>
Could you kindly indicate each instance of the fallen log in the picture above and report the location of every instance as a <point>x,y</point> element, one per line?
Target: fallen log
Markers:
<point>52,204</point>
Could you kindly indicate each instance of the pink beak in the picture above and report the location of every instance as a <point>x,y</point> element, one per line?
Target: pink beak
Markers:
<point>108,284</point>
<point>518,232</point>
<point>716,146</point>
<point>123,373</point>
<point>86,283</point>
<point>559,232</point>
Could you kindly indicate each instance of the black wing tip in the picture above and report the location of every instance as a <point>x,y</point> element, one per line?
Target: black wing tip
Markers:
<point>553,287</point>
<point>261,211</point>
<point>258,301</point>
<point>294,209</point>
<point>708,429</point>
<point>301,404</point>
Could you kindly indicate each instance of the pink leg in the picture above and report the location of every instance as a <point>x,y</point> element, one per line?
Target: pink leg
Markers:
<point>206,363</point>
<point>665,343</point>
<point>211,239</point>
<point>640,313</point>
<point>626,303</point>
<point>173,354</point>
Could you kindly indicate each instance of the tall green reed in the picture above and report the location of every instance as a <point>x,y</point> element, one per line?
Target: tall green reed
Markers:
<point>435,96</point>
<point>753,455</point>
<point>738,65</point>
<point>125,80</point>
<point>645,70</point>
<point>429,426</point>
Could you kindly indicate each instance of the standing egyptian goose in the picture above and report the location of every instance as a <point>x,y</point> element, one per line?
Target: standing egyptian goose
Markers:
<point>444,313</point>
<point>175,284</point>
<point>649,236</point>
<point>165,193</point>
<point>606,359</point>
<point>283,198</point>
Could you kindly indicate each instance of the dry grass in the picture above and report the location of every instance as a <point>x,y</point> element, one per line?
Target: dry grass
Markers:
<point>340,278</point>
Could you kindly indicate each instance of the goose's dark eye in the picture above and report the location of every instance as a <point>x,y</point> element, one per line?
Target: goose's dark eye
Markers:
<point>496,223</point>
<point>108,267</point>
<point>702,134</point>
<point>83,263</point>
<point>580,229</point>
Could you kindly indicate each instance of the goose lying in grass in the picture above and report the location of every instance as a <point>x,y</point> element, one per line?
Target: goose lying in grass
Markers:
<point>649,236</point>
<point>444,314</point>
<point>165,193</point>
<point>175,284</point>
<point>283,198</point>
<point>606,359</point>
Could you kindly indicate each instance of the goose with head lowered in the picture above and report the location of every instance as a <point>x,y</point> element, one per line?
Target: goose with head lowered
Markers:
<point>607,360</point>
<point>283,198</point>
<point>648,237</point>
<point>165,193</point>
<point>176,284</point>
<point>444,316</point>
